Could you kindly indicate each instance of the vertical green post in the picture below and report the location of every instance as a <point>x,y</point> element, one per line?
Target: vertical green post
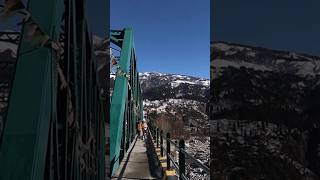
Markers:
<point>119,96</point>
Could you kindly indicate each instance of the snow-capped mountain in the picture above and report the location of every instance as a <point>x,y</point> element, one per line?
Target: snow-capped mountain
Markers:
<point>174,96</point>
<point>265,109</point>
<point>262,59</point>
<point>158,86</point>
<point>150,79</point>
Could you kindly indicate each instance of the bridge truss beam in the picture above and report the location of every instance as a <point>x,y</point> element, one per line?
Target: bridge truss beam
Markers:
<point>54,127</point>
<point>126,101</point>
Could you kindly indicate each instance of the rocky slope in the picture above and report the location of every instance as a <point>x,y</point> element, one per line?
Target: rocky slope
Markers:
<point>264,113</point>
<point>180,101</point>
<point>175,96</point>
<point>178,97</point>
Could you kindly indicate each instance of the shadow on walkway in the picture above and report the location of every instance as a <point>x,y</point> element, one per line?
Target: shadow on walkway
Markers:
<point>154,163</point>
<point>127,160</point>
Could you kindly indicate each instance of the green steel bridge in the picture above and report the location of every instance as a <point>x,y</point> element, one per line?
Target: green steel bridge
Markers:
<point>131,157</point>
<point>55,108</point>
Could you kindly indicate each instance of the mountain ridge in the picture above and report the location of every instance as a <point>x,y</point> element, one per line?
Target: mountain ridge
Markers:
<point>264,107</point>
<point>266,48</point>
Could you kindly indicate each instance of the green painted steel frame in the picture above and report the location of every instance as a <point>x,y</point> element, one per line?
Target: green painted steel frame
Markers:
<point>40,140</point>
<point>25,137</point>
<point>126,101</point>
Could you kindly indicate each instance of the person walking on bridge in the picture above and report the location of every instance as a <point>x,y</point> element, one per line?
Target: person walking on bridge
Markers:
<point>140,130</point>
<point>144,129</point>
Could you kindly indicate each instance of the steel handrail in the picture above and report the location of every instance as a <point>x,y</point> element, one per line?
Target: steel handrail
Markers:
<point>199,163</point>
<point>180,150</point>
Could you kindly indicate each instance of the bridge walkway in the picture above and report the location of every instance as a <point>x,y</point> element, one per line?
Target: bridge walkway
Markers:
<point>135,164</point>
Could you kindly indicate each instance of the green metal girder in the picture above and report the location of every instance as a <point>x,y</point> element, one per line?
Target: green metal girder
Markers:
<point>37,144</point>
<point>119,96</point>
<point>123,109</point>
<point>25,138</point>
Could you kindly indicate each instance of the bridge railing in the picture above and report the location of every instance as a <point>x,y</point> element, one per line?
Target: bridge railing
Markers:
<point>165,149</point>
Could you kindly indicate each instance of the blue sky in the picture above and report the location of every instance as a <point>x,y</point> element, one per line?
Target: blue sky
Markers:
<point>292,25</point>
<point>171,36</point>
